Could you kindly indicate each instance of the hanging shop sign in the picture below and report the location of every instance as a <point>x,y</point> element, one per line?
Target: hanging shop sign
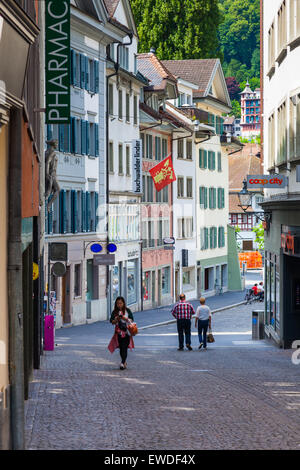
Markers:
<point>290,240</point>
<point>104,260</point>
<point>35,271</point>
<point>266,181</point>
<point>137,155</point>
<point>57,61</point>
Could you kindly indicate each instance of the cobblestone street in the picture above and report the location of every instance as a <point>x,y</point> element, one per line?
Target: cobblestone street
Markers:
<point>239,394</point>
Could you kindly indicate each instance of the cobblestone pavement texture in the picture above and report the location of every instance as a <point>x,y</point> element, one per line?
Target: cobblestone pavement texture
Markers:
<point>239,394</point>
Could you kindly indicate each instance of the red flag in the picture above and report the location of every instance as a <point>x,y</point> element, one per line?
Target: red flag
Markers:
<point>163,173</point>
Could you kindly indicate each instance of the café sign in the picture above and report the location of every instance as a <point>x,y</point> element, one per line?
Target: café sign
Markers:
<point>57,61</point>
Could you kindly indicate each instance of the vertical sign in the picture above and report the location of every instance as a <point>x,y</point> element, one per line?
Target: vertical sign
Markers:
<point>137,155</point>
<point>57,61</point>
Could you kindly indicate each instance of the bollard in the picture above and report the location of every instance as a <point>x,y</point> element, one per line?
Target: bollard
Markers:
<point>49,333</point>
<point>258,327</point>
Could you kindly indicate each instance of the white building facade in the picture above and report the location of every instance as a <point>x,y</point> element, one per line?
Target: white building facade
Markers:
<point>280,39</point>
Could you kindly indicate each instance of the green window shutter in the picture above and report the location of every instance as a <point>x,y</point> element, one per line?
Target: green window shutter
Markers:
<point>96,210</point>
<point>62,211</point>
<point>83,211</point>
<point>87,75</point>
<point>222,198</point>
<point>200,158</point>
<point>82,71</point>
<point>213,160</point>
<point>211,237</point>
<point>73,67</point>
<point>205,159</point>
<point>201,195</point>
<point>96,74</point>
<point>219,198</point>
<point>87,131</point>
<point>205,198</point>
<point>74,211</point>
<point>88,211</point>
<point>219,237</point>
<point>210,198</point>
<point>97,140</point>
<point>214,198</point>
<point>215,237</point>
<point>219,161</point>
<point>209,160</point>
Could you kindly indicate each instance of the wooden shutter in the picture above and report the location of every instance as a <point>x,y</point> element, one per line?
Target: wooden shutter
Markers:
<point>74,213</point>
<point>88,211</point>
<point>213,160</point>
<point>82,71</point>
<point>62,211</point>
<point>87,74</point>
<point>201,158</point>
<point>87,131</point>
<point>219,161</point>
<point>222,198</point>
<point>96,210</point>
<point>97,140</point>
<point>83,211</point>
<point>73,135</point>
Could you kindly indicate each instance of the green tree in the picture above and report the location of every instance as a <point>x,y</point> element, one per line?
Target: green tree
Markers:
<point>178,29</point>
<point>259,232</point>
<point>239,33</point>
<point>236,109</point>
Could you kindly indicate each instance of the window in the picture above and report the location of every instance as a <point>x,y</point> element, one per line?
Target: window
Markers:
<point>219,161</point>
<point>111,99</point>
<point>203,197</point>
<point>180,148</point>
<point>213,237</point>
<point>281,32</point>
<point>202,158</point>
<point>149,189</point>
<point>164,144</point>
<point>189,187</point>
<point>271,141</point>
<point>135,110</point>
<point>120,159</point>
<point>120,104</point>
<point>111,157</point>
<point>166,280</point>
<point>132,282</point>
<point>165,194</point>
<point>149,146</point>
<point>221,198</point>
<point>282,135</point>
<point>127,107</point>
<point>124,57</point>
<point>185,227</point>
<point>211,160</point>
<point>151,242</point>
<point>180,186</point>
<point>189,150</point>
<point>77,280</point>
<point>204,238</point>
<point>212,198</point>
<point>127,160</point>
<point>221,237</point>
<point>157,148</point>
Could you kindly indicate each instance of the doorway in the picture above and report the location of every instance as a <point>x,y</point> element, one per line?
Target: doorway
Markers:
<point>198,283</point>
<point>159,287</point>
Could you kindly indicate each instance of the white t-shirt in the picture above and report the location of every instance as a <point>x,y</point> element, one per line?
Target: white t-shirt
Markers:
<point>203,312</point>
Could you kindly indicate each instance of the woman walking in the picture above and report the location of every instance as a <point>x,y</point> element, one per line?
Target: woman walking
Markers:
<point>121,317</point>
<point>203,318</point>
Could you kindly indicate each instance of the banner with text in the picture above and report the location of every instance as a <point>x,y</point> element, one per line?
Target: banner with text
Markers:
<point>57,61</point>
<point>137,156</point>
<point>266,181</point>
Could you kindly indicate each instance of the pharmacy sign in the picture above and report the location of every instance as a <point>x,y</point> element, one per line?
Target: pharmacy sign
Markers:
<point>57,61</point>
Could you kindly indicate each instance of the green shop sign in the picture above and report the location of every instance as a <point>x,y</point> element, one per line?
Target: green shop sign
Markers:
<point>57,61</point>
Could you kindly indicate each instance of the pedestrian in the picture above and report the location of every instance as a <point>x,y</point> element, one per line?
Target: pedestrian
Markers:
<point>121,317</point>
<point>203,318</point>
<point>183,312</point>
<point>261,291</point>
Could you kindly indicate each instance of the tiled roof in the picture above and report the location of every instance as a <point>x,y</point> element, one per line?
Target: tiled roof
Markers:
<point>152,68</point>
<point>197,71</point>
<point>229,120</point>
<point>242,164</point>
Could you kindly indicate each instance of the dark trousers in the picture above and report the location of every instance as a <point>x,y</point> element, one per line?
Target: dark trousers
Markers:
<point>184,328</point>
<point>123,344</point>
<point>202,331</point>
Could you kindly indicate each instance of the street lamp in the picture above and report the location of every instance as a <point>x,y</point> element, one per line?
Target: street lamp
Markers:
<point>245,197</point>
<point>245,201</point>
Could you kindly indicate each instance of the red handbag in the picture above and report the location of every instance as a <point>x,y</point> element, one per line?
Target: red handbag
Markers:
<point>133,329</point>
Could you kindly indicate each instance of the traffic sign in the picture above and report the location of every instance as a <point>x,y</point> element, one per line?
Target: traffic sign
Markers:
<point>106,259</point>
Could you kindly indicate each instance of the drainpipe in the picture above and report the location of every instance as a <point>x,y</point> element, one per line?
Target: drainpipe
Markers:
<point>14,278</point>
<point>116,66</point>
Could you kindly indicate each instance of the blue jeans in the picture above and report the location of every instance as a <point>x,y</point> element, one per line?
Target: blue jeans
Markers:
<point>202,329</point>
<point>184,327</point>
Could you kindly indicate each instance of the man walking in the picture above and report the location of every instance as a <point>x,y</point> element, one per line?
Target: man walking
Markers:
<point>183,312</point>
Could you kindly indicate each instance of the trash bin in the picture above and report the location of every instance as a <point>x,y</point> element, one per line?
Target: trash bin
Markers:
<point>49,333</point>
<point>258,326</point>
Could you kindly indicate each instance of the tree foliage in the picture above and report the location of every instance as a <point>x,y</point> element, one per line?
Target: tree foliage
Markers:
<point>236,109</point>
<point>233,88</point>
<point>259,232</point>
<point>178,29</point>
<point>239,35</point>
